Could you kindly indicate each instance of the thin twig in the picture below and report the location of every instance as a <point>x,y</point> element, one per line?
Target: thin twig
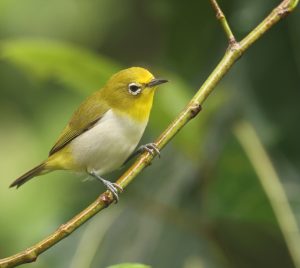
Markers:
<point>272,186</point>
<point>190,111</point>
<point>221,17</point>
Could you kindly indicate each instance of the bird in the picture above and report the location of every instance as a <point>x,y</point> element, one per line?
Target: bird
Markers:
<point>105,129</point>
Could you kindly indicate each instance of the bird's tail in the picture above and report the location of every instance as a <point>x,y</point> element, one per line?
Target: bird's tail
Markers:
<point>36,171</point>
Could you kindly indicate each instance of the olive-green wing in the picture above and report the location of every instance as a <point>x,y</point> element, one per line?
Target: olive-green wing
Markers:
<point>83,119</point>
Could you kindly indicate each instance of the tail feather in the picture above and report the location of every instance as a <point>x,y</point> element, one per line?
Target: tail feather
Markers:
<point>36,171</point>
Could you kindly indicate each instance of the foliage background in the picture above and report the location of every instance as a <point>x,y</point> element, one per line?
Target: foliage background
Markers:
<point>201,204</point>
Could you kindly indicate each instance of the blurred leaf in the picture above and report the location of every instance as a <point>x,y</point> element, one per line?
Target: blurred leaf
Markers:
<point>272,186</point>
<point>72,65</point>
<point>248,244</point>
<point>235,191</point>
<point>129,265</point>
<point>241,220</point>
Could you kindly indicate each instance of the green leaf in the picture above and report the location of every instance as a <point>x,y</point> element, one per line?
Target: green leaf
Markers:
<point>129,265</point>
<point>72,65</point>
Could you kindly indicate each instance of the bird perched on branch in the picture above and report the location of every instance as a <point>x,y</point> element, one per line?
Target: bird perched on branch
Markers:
<point>105,129</point>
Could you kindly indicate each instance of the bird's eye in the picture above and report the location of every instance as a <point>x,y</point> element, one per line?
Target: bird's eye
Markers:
<point>134,88</point>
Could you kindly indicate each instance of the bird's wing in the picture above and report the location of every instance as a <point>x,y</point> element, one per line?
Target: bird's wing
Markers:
<point>83,119</point>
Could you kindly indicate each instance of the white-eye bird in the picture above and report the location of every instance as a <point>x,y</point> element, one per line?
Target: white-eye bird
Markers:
<point>105,129</point>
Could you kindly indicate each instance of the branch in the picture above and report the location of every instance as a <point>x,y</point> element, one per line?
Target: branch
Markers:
<point>189,112</point>
<point>221,17</point>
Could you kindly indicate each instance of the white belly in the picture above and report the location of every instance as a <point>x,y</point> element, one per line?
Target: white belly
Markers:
<point>107,145</point>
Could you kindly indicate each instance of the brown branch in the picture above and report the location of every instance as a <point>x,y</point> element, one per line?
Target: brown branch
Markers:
<point>189,112</point>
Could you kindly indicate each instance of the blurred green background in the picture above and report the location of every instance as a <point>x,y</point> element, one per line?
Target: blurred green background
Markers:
<point>201,204</point>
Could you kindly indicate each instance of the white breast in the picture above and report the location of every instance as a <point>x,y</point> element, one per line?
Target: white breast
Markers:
<point>106,146</point>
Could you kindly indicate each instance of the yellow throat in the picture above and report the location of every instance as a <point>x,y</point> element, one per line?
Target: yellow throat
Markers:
<point>116,93</point>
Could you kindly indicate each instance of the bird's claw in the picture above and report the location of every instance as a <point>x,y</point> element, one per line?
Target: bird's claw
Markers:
<point>151,148</point>
<point>113,187</point>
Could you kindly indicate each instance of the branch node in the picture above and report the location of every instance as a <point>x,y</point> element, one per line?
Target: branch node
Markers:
<point>235,46</point>
<point>105,199</point>
<point>65,229</point>
<point>282,11</point>
<point>221,17</point>
<point>195,108</point>
<point>219,14</point>
<point>31,255</point>
<point>233,43</point>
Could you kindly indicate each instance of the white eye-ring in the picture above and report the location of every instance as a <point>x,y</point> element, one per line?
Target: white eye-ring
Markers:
<point>134,89</point>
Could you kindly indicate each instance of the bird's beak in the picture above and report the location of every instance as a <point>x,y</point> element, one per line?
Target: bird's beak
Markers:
<point>155,82</point>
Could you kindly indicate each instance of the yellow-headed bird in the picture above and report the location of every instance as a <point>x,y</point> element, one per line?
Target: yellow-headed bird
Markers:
<point>105,129</point>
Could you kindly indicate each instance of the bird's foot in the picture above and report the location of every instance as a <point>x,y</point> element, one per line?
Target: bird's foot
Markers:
<point>114,188</point>
<point>151,148</point>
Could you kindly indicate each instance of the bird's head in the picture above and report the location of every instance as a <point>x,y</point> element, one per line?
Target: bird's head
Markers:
<point>131,91</point>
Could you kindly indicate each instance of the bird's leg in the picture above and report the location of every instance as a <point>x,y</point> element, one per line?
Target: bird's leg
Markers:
<point>114,188</point>
<point>151,148</point>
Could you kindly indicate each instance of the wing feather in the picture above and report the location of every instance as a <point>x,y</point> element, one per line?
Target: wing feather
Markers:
<point>83,119</point>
